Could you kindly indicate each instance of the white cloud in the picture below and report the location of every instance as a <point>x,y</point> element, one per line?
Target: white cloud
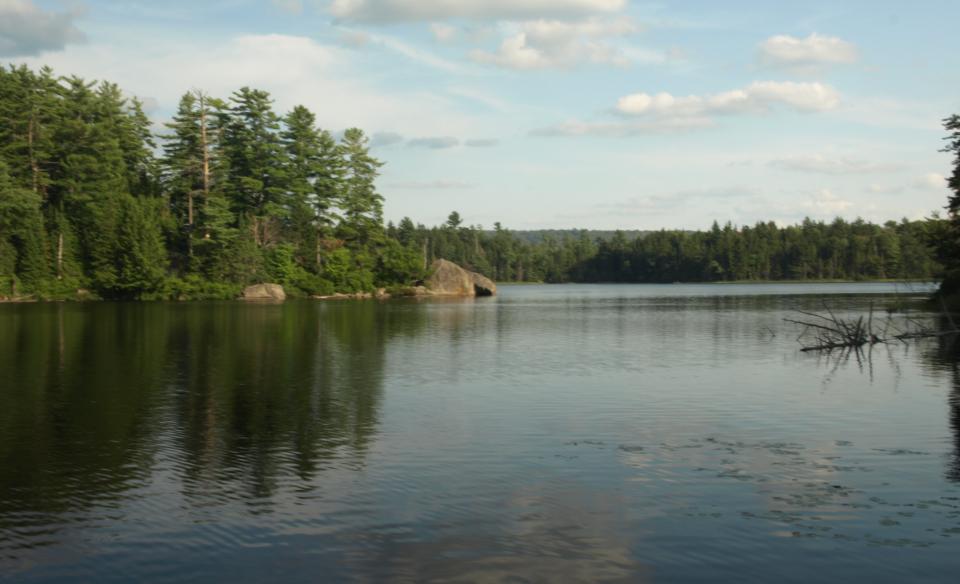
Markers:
<point>26,29</point>
<point>836,165</point>
<point>663,112</point>
<point>758,97</point>
<point>826,203</point>
<point>543,44</point>
<point>388,11</point>
<point>785,50</point>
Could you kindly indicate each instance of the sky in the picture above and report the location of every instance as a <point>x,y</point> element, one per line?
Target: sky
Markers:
<point>602,114</point>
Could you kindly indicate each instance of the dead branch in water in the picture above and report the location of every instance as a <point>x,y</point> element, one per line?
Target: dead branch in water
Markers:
<point>831,332</point>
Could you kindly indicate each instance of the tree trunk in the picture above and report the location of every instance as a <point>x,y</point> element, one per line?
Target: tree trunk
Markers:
<point>34,167</point>
<point>319,260</point>
<point>204,147</point>
<point>60,242</point>
<point>60,254</point>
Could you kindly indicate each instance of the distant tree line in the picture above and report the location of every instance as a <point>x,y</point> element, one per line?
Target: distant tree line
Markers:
<point>231,193</point>
<point>812,250</point>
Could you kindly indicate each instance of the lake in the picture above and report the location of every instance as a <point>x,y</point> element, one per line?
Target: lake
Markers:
<point>671,433</point>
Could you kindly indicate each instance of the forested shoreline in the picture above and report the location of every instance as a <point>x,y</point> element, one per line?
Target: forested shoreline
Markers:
<point>95,203</point>
<point>812,250</point>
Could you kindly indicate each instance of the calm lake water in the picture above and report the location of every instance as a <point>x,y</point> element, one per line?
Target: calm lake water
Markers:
<point>553,433</point>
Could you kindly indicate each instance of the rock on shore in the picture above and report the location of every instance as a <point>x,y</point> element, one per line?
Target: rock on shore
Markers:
<point>271,292</point>
<point>449,279</point>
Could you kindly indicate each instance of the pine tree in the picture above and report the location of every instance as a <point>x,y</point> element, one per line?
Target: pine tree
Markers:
<point>183,167</point>
<point>256,176</point>
<point>313,171</point>
<point>360,202</point>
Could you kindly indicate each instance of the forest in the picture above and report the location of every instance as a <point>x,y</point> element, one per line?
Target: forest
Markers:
<point>812,250</point>
<point>95,203</point>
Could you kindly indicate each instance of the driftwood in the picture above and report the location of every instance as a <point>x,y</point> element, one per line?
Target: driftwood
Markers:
<point>830,332</point>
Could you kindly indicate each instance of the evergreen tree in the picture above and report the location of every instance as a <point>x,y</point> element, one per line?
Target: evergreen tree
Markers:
<point>313,171</point>
<point>257,179</point>
<point>360,202</point>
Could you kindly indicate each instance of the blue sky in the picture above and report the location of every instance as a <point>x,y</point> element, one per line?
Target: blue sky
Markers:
<point>564,113</point>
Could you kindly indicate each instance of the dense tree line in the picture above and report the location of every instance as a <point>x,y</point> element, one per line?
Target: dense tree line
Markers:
<point>231,193</point>
<point>813,250</point>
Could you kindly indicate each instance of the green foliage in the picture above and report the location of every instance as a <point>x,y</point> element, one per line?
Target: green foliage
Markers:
<point>347,271</point>
<point>398,263</point>
<point>195,287</point>
<point>21,236</point>
<point>141,256</point>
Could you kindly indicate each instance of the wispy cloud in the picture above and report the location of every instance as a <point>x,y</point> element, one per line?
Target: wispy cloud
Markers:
<point>792,52</point>
<point>434,142</point>
<point>391,11</point>
<point>383,139</point>
<point>758,97</point>
<point>481,142</point>
<point>415,54</point>
<point>620,128</point>
<point>836,165</point>
<point>933,181</point>
<point>825,203</point>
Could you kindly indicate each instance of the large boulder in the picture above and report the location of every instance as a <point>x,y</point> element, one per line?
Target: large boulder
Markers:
<point>271,292</point>
<point>449,279</point>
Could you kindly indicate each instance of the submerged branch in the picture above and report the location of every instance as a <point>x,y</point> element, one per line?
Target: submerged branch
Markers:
<point>831,332</point>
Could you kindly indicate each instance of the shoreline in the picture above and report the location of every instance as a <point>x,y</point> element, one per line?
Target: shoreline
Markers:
<point>382,295</point>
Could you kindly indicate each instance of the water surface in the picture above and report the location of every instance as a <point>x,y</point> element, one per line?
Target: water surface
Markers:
<point>553,433</point>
